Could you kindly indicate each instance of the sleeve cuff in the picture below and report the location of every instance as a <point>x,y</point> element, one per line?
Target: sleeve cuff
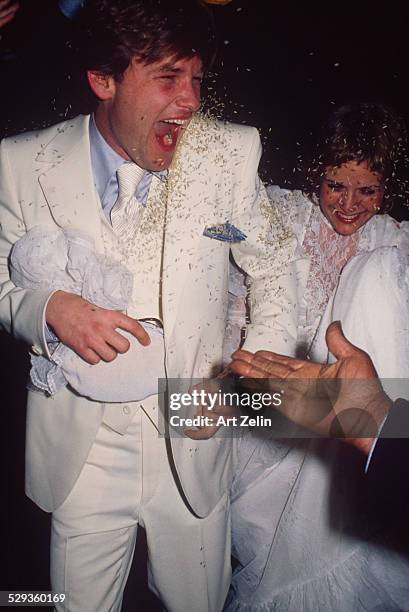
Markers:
<point>264,338</point>
<point>46,335</point>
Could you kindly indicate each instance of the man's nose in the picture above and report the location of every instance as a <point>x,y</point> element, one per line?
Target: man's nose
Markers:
<point>189,96</point>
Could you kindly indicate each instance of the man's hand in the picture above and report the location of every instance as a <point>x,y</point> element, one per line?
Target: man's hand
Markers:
<point>7,11</point>
<point>344,399</point>
<point>89,330</point>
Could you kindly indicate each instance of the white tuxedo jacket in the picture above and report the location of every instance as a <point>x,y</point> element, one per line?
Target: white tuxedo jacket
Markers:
<point>46,178</point>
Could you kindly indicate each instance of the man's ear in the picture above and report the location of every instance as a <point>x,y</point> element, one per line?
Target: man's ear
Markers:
<point>103,85</point>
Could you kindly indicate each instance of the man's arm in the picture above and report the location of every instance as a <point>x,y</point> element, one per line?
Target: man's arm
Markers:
<point>87,329</point>
<point>269,256</point>
<point>21,310</point>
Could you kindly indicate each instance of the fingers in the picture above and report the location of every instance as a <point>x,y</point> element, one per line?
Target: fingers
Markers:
<point>276,357</point>
<point>105,347</point>
<point>117,341</point>
<point>265,359</point>
<point>135,328</point>
<point>247,369</point>
<point>259,367</point>
<point>102,349</point>
<point>108,344</point>
<point>248,365</point>
<point>92,348</point>
<point>267,355</point>
<point>89,355</point>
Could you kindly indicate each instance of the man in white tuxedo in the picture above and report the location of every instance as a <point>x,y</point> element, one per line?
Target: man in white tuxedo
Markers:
<point>102,469</point>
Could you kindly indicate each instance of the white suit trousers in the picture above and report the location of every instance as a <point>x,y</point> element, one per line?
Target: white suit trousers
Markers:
<point>127,481</point>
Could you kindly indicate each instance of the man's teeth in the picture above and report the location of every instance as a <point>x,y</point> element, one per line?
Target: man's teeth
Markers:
<point>176,121</point>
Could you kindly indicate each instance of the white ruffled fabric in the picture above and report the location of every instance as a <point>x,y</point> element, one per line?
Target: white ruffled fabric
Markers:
<point>300,534</point>
<point>372,302</point>
<point>329,252</point>
<point>66,259</point>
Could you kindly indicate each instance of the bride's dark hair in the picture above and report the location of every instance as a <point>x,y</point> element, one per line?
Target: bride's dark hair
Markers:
<point>371,133</point>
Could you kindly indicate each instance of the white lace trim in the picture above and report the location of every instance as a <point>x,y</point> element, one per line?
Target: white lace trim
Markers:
<point>328,252</point>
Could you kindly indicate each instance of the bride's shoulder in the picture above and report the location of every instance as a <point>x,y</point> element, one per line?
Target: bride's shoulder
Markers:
<point>388,231</point>
<point>291,204</point>
<point>287,198</point>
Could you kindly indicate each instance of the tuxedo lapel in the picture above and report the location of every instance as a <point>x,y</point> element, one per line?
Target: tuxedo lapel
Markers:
<point>67,180</point>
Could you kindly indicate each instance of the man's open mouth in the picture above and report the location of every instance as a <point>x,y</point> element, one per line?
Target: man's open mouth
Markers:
<point>167,132</point>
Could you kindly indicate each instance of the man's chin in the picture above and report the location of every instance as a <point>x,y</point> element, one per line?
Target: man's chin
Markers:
<point>161,162</point>
<point>162,156</point>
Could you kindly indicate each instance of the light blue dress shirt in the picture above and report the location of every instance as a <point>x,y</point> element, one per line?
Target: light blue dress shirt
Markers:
<point>105,162</point>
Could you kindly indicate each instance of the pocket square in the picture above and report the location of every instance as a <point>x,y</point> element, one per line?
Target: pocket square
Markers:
<point>226,232</point>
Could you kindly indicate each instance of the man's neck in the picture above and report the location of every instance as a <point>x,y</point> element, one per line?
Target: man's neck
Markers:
<point>104,128</point>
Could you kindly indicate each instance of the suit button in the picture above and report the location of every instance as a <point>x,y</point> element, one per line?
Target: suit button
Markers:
<point>37,350</point>
<point>126,410</point>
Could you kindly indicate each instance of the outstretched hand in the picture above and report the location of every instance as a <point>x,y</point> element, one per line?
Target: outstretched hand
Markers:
<point>344,398</point>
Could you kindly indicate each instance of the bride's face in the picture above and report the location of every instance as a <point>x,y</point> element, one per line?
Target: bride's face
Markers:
<point>350,195</point>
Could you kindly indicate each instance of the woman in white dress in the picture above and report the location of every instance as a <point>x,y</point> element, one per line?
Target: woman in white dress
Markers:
<point>301,534</point>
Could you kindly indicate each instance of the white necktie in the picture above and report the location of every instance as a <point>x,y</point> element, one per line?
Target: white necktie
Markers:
<point>127,210</point>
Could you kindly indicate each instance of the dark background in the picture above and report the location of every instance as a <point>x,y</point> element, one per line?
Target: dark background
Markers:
<point>283,66</point>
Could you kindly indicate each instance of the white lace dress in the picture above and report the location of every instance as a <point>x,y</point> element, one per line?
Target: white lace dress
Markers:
<point>300,530</point>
